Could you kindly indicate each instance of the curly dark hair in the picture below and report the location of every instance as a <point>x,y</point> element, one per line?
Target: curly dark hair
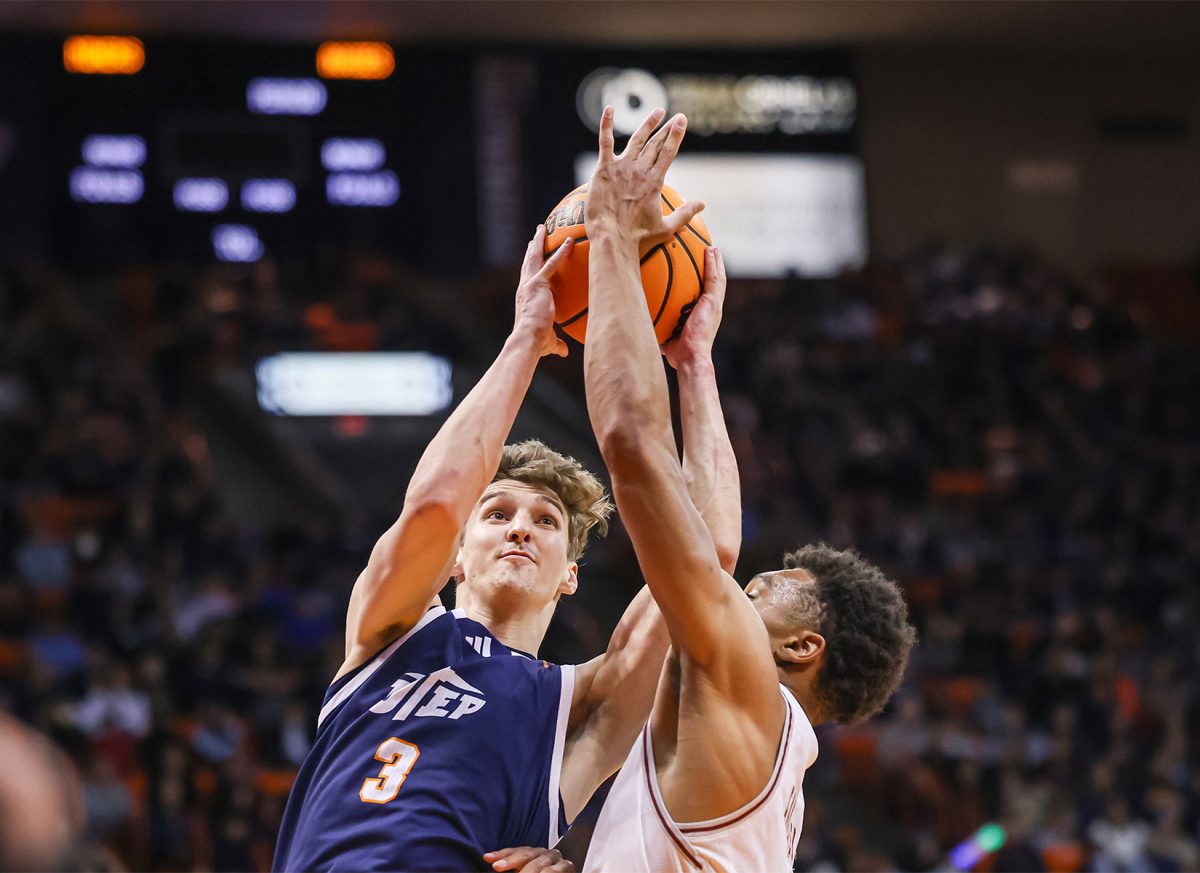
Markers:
<point>864,619</point>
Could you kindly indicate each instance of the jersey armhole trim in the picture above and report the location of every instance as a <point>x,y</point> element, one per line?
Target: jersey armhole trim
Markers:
<point>748,809</point>
<point>344,693</point>
<point>660,807</point>
<point>566,692</point>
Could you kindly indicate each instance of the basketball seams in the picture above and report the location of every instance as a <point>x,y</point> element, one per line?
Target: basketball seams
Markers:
<point>574,318</point>
<point>692,258</point>
<point>670,280</point>
<point>578,239</point>
<point>696,234</point>
<point>687,250</point>
<point>688,227</point>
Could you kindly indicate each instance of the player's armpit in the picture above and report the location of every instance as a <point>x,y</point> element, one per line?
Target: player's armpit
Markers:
<point>613,696</point>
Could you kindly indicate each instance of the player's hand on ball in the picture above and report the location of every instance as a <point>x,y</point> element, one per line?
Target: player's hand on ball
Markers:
<point>527,859</point>
<point>535,302</point>
<point>623,194</point>
<point>696,340</point>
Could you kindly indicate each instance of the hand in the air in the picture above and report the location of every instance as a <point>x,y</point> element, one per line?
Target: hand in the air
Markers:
<point>624,192</point>
<point>535,302</point>
<point>527,859</point>
<point>699,331</point>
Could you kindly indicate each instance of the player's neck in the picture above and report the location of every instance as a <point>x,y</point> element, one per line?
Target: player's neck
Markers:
<point>515,626</point>
<point>801,688</point>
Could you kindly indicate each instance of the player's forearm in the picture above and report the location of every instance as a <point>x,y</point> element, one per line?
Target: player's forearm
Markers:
<point>627,394</point>
<point>463,456</point>
<point>709,464</point>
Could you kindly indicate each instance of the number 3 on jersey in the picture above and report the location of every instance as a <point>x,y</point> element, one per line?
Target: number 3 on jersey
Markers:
<point>398,758</point>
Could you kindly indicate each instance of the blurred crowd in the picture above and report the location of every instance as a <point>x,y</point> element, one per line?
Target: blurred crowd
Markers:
<point>1017,450</point>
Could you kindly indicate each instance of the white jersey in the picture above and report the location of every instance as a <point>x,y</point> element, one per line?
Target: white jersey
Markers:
<point>636,835</point>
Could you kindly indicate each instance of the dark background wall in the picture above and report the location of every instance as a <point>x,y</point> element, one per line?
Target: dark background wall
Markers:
<point>1088,157</point>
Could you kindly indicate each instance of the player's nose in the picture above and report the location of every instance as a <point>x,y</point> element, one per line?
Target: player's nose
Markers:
<point>518,532</point>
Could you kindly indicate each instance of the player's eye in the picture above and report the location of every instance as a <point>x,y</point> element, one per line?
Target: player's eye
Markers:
<point>550,520</point>
<point>496,514</point>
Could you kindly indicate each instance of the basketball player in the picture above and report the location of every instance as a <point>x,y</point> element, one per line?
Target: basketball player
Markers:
<point>714,781</point>
<point>443,736</point>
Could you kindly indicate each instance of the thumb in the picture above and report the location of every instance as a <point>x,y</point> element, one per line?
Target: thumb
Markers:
<point>560,348</point>
<point>679,219</point>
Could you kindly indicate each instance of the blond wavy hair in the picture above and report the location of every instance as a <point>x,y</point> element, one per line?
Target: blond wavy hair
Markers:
<point>583,495</point>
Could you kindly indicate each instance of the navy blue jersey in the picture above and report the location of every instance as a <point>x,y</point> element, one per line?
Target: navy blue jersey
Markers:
<point>446,745</point>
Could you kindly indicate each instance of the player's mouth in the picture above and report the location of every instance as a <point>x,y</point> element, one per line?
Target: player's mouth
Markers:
<point>515,553</point>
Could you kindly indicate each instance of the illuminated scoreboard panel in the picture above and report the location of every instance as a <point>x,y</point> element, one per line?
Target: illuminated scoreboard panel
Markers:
<point>771,145</point>
<point>446,157</point>
<point>232,151</point>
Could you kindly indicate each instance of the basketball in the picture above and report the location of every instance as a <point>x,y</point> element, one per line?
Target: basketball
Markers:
<point>672,272</point>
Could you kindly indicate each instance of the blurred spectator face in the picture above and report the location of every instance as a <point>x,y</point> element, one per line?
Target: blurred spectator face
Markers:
<point>515,547</point>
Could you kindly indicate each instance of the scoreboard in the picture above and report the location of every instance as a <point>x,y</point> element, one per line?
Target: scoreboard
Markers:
<point>228,150</point>
<point>116,149</point>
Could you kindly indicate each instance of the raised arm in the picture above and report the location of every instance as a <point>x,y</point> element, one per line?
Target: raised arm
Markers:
<point>709,464</point>
<point>411,562</point>
<point>614,691</point>
<point>708,617</point>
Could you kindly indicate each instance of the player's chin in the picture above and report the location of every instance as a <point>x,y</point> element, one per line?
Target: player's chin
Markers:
<point>518,577</point>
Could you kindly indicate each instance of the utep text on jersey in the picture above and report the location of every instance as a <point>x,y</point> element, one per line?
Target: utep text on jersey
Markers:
<point>445,745</point>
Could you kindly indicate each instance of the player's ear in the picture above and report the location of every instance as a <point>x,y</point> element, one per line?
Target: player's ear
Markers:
<point>802,649</point>
<point>570,582</point>
<point>456,569</point>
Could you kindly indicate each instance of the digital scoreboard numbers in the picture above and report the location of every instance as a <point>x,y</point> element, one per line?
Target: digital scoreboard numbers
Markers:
<point>233,152</point>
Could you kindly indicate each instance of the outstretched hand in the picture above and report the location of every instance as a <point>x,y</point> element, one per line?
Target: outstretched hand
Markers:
<point>624,192</point>
<point>535,301</point>
<point>528,859</point>
<point>696,340</point>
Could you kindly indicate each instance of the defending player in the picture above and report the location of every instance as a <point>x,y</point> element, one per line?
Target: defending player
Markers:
<point>442,737</point>
<point>714,782</point>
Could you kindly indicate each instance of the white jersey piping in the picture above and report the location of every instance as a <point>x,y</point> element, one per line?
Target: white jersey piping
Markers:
<point>679,832</point>
<point>354,684</point>
<point>565,695</point>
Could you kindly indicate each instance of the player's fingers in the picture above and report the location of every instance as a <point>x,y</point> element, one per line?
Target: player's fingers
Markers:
<point>606,134</point>
<point>678,220</point>
<point>563,866</point>
<point>516,858</point>
<point>670,147</point>
<point>534,252</point>
<point>714,279</point>
<point>556,260</point>
<point>498,855</point>
<point>544,861</point>
<point>638,141</point>
<point>650,151</point>
<point>714,273</point>
<point>561,349</point>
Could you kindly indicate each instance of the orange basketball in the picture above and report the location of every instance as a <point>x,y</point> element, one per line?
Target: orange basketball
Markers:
<point>672,273</point>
